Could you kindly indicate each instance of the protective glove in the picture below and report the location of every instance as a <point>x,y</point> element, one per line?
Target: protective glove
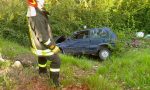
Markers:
<point>55,49</point>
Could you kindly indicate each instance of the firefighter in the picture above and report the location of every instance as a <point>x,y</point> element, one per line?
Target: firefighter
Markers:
<point>42,41</point>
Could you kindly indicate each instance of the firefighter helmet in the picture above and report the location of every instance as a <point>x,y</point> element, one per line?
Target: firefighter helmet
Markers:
<point>32,3</point>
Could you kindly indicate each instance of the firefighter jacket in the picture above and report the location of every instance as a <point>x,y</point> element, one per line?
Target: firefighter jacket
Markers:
<point>39,30</point>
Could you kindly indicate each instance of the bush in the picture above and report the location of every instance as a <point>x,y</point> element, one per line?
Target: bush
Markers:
<point>68,16</point>
<point>13,21</point>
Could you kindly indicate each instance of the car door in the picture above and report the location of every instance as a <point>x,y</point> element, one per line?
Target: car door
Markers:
<point>80,44</point>
<point>68,46</point>
<point>97,37</point>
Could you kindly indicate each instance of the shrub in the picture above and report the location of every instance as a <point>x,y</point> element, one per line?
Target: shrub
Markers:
<point>68,16</point>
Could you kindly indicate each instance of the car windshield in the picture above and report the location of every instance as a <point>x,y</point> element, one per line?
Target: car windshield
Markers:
<point>80,35</point>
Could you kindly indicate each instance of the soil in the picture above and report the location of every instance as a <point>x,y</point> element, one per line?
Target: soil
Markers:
<point>26,59</point>
<point>36,83</point>
<point>21,79</point>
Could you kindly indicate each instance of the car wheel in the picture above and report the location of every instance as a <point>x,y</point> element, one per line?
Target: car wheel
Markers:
<point>104,53</point>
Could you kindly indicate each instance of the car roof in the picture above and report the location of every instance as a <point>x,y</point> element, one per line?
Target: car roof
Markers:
<point>82,30</point>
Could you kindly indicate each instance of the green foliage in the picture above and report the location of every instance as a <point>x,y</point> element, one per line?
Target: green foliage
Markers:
<point>4,65</point>
<point>13,21</point>
<point>8,83</point>
<point>11,49</point>
<point>81,63</point>
<point>97,82</point>
<point>68,16</point>
<point>130,70</point>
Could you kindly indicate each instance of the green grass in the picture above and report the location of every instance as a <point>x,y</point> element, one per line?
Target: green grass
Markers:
<point>10,50</point>
<point>5,64</point>
<point>82,62</point>
<point>131,70</point>
<point>98,82</point>
<point>128,71</point>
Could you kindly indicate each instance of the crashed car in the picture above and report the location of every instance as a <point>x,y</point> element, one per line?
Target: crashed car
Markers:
<point>96,41</point>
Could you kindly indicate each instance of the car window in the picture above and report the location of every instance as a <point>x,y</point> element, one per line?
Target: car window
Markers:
<point>99,33</point>
<point>103,34</point>
<point>81,35</point>
<point>93,33</point>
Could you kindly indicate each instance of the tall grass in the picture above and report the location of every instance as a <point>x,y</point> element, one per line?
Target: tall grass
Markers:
<point>83,63</point>
<point>130,70</point>
<point>97,82</point>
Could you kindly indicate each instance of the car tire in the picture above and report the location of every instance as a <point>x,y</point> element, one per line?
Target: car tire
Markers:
<point>104,53</point>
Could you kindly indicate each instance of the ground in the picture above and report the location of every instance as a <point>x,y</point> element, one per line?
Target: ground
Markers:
<point>127,70</point>
<point>27,78</point>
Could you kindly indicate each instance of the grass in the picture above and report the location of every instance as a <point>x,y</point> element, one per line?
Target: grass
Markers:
<point>5,64</point>
<point>129,71</point>
<point>82,62</point>
<point>10,50</point>
<point>98,82</point>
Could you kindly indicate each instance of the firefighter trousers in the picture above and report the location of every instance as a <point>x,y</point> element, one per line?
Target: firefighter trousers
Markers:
<point>54,66</point>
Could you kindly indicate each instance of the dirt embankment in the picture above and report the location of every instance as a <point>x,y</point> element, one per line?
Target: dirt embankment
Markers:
<point>27,78</point>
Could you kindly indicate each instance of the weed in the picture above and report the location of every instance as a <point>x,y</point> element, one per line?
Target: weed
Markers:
<point>12,49</point>
<point>98,82</point>
<point>5,64</point>
<point>82,63</point>
<point>131,69</point>
<point>8,83</point>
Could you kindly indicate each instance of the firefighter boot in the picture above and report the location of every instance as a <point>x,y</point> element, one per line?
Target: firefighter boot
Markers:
<point>42,70</point>
<point>54,76</point>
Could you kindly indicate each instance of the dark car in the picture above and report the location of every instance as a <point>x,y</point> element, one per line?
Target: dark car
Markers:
<point>96,41</point>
